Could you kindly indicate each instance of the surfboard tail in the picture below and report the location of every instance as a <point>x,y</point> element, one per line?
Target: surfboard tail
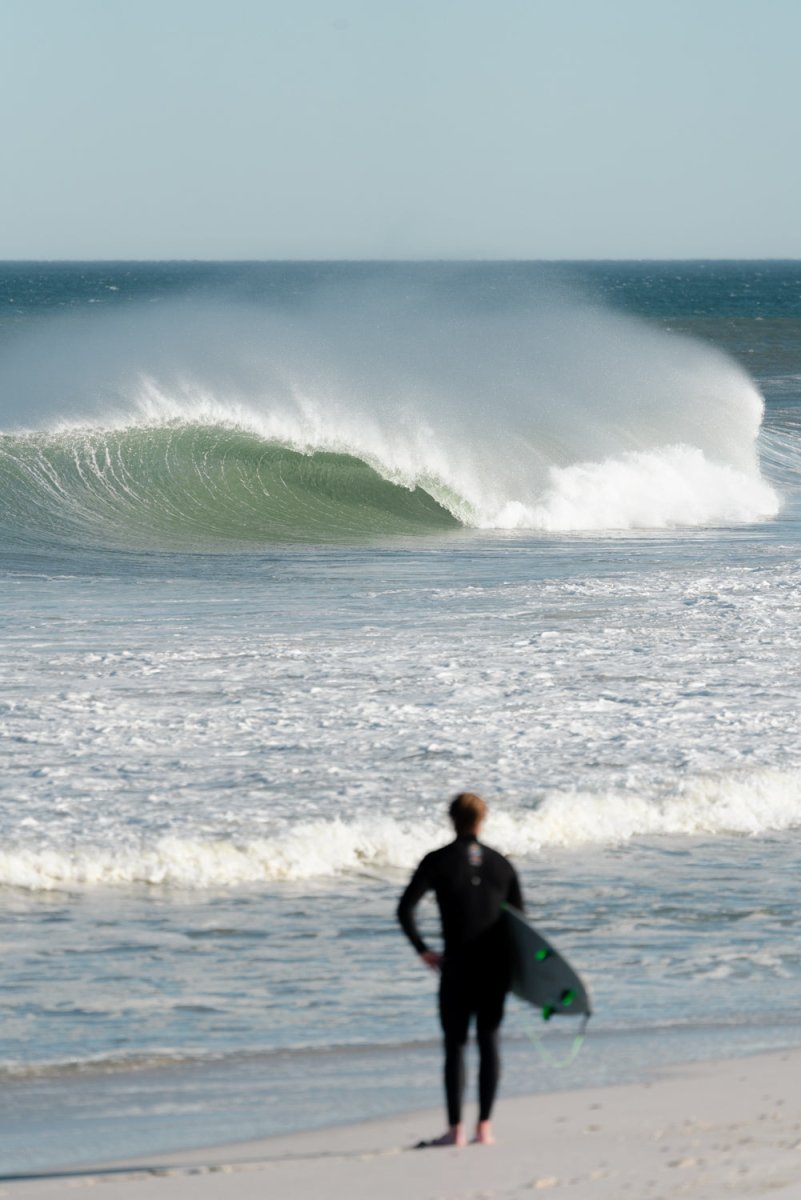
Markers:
<point>539,973</point>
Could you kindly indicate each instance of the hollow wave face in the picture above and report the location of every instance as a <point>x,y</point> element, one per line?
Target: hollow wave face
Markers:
<point>370,413</point>
<point>186,485</point>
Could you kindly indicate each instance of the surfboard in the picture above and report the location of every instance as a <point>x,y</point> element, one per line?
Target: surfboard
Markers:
<point>539,973</point>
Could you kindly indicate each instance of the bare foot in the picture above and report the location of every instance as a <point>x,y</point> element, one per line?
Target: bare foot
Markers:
<point>455,1136</point>
<point>484,1136</point>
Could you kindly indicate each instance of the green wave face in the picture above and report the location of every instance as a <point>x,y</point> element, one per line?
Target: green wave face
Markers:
<point>197,487</point>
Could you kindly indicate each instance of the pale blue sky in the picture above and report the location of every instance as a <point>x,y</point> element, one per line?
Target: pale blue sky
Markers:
<point>412,129</point>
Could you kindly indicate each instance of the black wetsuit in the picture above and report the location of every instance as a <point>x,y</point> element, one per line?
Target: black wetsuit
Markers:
<point>470,882</point>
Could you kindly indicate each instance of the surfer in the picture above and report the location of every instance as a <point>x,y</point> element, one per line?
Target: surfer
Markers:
<point>470,882</point>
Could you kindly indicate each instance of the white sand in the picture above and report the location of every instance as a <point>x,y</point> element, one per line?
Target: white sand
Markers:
<point>710,1131</point>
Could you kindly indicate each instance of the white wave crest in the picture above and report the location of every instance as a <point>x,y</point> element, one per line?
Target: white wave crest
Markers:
<point>308,850</point>
<point>660,489</point>
<point>745,804</point>
<point>741,804</point>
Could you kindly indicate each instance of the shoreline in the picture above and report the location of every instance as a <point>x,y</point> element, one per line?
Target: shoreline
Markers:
<point>721,1127</point>
<point>51,1125</point>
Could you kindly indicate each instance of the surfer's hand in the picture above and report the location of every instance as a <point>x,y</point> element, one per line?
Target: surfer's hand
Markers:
<point>432,959</point>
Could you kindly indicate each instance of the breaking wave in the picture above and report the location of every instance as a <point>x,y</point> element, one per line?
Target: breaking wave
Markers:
<point>372,416</point>
<point>745,804</point>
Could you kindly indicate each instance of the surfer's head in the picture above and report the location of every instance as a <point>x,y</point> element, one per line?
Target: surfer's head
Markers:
<point>467,811</point>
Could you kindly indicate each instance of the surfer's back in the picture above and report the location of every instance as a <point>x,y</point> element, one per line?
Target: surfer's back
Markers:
<point>471,882</point>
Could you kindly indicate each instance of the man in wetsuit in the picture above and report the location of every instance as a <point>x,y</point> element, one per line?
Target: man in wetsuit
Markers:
<point>470,882</point>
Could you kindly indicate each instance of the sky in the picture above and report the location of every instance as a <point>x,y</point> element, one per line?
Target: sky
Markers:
<point>370,129</point>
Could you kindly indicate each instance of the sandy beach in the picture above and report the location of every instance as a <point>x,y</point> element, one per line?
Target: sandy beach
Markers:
<point>729,1128</point>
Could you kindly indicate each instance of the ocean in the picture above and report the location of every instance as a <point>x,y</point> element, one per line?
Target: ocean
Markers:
<point>290,554</point>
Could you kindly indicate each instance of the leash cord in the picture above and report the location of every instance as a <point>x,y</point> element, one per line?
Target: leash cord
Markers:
<point>548,1058</point>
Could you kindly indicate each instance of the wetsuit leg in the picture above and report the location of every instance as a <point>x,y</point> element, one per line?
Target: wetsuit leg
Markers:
<point>454,1012</point>
<point>489,1014</point>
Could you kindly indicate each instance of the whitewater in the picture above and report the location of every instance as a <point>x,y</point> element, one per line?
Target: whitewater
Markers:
<point>290,553</point>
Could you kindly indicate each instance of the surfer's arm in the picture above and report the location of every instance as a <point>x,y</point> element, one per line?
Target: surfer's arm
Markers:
<point>515,896</point>
<point>420,884</point>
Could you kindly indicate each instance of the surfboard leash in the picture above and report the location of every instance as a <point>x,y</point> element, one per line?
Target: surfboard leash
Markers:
<point>548,1058</point>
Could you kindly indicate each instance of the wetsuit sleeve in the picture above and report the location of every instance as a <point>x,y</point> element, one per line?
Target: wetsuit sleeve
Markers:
<point>515,895</point>
<point>420,884</point>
